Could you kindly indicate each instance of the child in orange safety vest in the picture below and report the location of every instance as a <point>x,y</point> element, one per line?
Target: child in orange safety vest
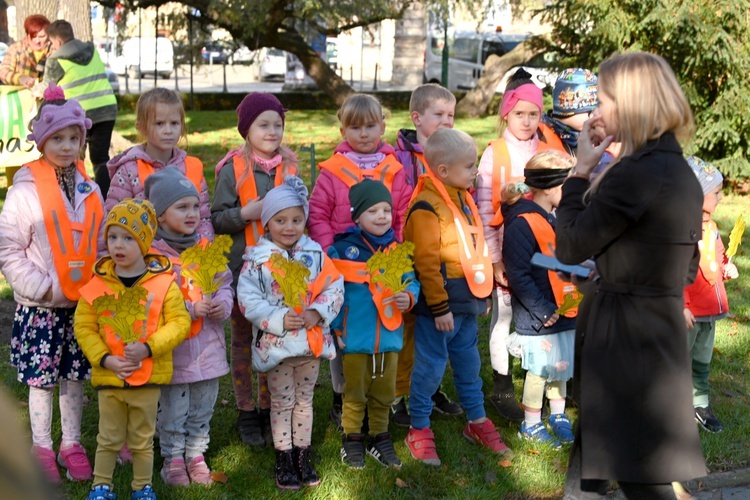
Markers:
<point>49,229</point>
<point>544,307</point>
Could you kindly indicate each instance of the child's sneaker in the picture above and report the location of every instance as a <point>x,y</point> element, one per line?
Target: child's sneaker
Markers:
<point>102,492</point>
<point>74,459</point>
<point>400,413</point>
<point>443,404</point>
<point>381,447</point>
<point>708,420</point>
<point>46,459</point>
<point>421,444</point>
<point>174,473</point>
<point>199,472</point>
<point>286,474</point>
<point>353,450</point>
<point>147,493</point>
<point>306,472</point>
<point>562,428</point>
<point>539,433</point>
<point>486,435</point>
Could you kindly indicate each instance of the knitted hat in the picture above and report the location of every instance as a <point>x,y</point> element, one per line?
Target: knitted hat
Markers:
<point>253,105</point>
<point>709,177</point>
<point>365,194</point>
<point>292,193</point>
<point>575,92</point>
<point>166,186</point>
<point>55,117</point>
<point>137,217</point>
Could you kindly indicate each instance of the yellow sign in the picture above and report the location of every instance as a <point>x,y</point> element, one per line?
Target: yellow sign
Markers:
<point>17,108</point>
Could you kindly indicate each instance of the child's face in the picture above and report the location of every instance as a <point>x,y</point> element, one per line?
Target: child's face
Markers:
<point>523,120</point>
<point>286,227</point>
<point>124,250</point>
<point>711,200</point>
<point>182,216</point>
<point>377,219</point>
<point>461,173</point>
<point>165,131</point>
<point>364,138</point>
<point>61,149</point>
<point>265,134</point>
<point>438,115</point>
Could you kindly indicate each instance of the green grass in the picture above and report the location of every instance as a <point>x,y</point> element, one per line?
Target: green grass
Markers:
<point>468,471</point>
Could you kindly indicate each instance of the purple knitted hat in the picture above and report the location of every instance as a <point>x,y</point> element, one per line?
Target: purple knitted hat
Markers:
<point>56,117</point>
<point>253,105</point>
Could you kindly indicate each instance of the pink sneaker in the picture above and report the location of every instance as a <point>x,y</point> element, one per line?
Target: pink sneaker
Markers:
<point>174,473</point>
<point>124,457</point>
<point>485,434</point>
<point>75,460</point>
<point>46,459</point>
<point>421,444</point>
<point>199,472</point>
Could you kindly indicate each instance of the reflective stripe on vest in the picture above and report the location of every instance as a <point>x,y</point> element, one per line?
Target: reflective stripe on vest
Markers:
<point>74,265</point>
<point>193,171</point>
<point>190,291</point>
<point>157,287</point>
<point>707,245</point>
<point>87,84</point>
<point>247,191</point>
<point>322,281</point>
<point>350,174</point>
<point>545,238</point>
<point>474,254</point>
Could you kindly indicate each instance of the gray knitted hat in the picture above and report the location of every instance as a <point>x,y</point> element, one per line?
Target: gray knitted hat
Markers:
<point>166,186</point>
<point>292,193</point>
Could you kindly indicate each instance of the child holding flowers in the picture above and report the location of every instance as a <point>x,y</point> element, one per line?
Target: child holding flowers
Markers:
<point>200,267</point>
<point>291,292</point>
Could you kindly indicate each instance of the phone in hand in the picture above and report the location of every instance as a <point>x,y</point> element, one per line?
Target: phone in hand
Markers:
<point>551,263</point>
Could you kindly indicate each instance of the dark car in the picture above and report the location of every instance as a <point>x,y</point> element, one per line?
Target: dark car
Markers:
<point>215,52</point>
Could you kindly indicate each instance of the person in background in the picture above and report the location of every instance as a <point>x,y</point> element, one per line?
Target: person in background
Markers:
<point>573,99</point>
<point>23,63</point>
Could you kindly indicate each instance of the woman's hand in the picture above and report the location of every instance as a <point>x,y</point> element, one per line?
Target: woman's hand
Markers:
<point>591,144</point>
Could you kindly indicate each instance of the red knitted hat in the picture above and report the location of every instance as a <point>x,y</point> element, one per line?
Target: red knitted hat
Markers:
<point>253,105</point>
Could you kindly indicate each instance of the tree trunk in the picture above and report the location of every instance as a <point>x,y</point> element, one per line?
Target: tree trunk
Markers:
<point>26,8</point>
<point>408,60</point>
<point>78,13</point>
<point>475,102</point>
<point>4,35</point>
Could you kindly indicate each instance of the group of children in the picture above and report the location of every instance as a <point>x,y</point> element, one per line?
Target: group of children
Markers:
<point>397,264</point>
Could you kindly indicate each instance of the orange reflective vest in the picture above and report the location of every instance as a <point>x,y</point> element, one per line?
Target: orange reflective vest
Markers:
<point>323,280</point>
<point>157,287</point>
<point>707,245</point>
<point>247,191</point>
<point>193,171</point>
<point>73,264</point>
<point>191,291</point>
<point>347,172</point>
<point>545,238</point>
<point>473,252</point>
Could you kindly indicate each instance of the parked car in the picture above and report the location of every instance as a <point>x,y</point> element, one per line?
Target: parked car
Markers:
<point>271,63</point>
<point>242,55</point>
<point>332,52</point>
<point>157,56</point>
<point>114,81</point>
<point>215,53</point>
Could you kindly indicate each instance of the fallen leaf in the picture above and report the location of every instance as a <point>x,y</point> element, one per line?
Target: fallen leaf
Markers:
<point>23,403</point>
<point>534,452</point>
<point>504,463</point>
<point>219,477</point>
<point>747,444</point>
<point>700,485</point>
<point>728,375</point>
<point>224,402</point>
<point>465,460</point>
<point>490,477</point>
<point>401,483</point>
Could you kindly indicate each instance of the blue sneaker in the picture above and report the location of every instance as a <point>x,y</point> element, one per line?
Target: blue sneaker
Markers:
<point>147,493</point>
<point>561,427</point>
<point>102,492</point>
<point>539,433</point>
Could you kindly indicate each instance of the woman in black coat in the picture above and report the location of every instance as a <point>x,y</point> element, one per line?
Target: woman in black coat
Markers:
<point>641,221</point>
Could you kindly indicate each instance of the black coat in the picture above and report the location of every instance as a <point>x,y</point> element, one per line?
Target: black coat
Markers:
<point>642,226</point>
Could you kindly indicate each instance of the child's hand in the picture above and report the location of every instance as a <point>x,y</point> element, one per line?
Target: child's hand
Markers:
<point>444,323</point>
<point>730,272</point>
<point>311,317</point>
<point>340,343</point>
<point>251,211</point>
<point>136,352</point>
<point>402,300</point>
<point>552,320</point>
<point>201,308</point>
<point>498,271</point>
<point>689,318</point>
<point>217,311</point>
<point>120,366</point>
<point>292,321</point>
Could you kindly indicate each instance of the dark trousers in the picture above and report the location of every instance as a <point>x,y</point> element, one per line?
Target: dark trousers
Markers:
<point>98,139</point>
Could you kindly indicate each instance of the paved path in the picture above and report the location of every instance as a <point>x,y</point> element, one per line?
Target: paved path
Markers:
<point>732,485</point>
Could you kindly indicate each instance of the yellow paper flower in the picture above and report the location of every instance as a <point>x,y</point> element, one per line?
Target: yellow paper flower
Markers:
<point>735,237</point>
<point>292,278</point>
<point>122,311</point>
<point>204,264</point>
<point>388,266</point>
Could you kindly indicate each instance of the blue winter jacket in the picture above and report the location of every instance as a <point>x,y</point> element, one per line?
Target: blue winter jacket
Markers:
<point>361,329</point>
<point>532,299</point>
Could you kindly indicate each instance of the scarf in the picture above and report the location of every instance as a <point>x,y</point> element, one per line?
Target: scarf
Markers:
<point>66,178</point>
<point>267,165</point>
<point>177,243</point>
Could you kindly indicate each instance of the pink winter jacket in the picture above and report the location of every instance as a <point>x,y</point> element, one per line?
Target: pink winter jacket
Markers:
<point>204,356</point>
<point>330,211</point>
<point>25,252</point>
<point>123,170</point>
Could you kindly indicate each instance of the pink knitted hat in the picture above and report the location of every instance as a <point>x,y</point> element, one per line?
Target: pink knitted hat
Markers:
<point>53,117</point>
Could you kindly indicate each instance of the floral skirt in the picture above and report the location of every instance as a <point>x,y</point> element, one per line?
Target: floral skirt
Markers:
<point>548,356</point>
<point>43,347</point>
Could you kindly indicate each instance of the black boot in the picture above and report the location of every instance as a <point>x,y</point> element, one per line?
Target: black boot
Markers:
<point>441,403</point>
<point>353,450</point>
<point>503,397</point>
<point>248,425</point>
<point>285,472</point>
<point>306,472</point>
<point>265,426</point>
<point>336,409</point>
<point>400,413</point>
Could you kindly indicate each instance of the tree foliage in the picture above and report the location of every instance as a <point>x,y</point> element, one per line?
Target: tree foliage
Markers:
<point>707,44</point>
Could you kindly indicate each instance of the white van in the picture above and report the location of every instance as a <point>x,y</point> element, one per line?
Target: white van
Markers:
<point>148,56</point>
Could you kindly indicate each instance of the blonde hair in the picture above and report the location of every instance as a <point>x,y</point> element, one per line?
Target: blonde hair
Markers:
<point>145,111</point>
<point>648,101</point>
<point>426,95</point>
<point>360,109</point>
<point>446,146</point>
<point>288,159</point>
<point>546,160</point>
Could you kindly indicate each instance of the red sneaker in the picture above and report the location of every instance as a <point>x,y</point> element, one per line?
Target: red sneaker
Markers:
<point>75,460</point>
<point>486,435</point>
<point>46,459</point>
<point>421,444</point>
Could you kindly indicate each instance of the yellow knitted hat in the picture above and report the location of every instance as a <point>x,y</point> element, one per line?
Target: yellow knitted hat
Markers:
<point>138,217</point>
